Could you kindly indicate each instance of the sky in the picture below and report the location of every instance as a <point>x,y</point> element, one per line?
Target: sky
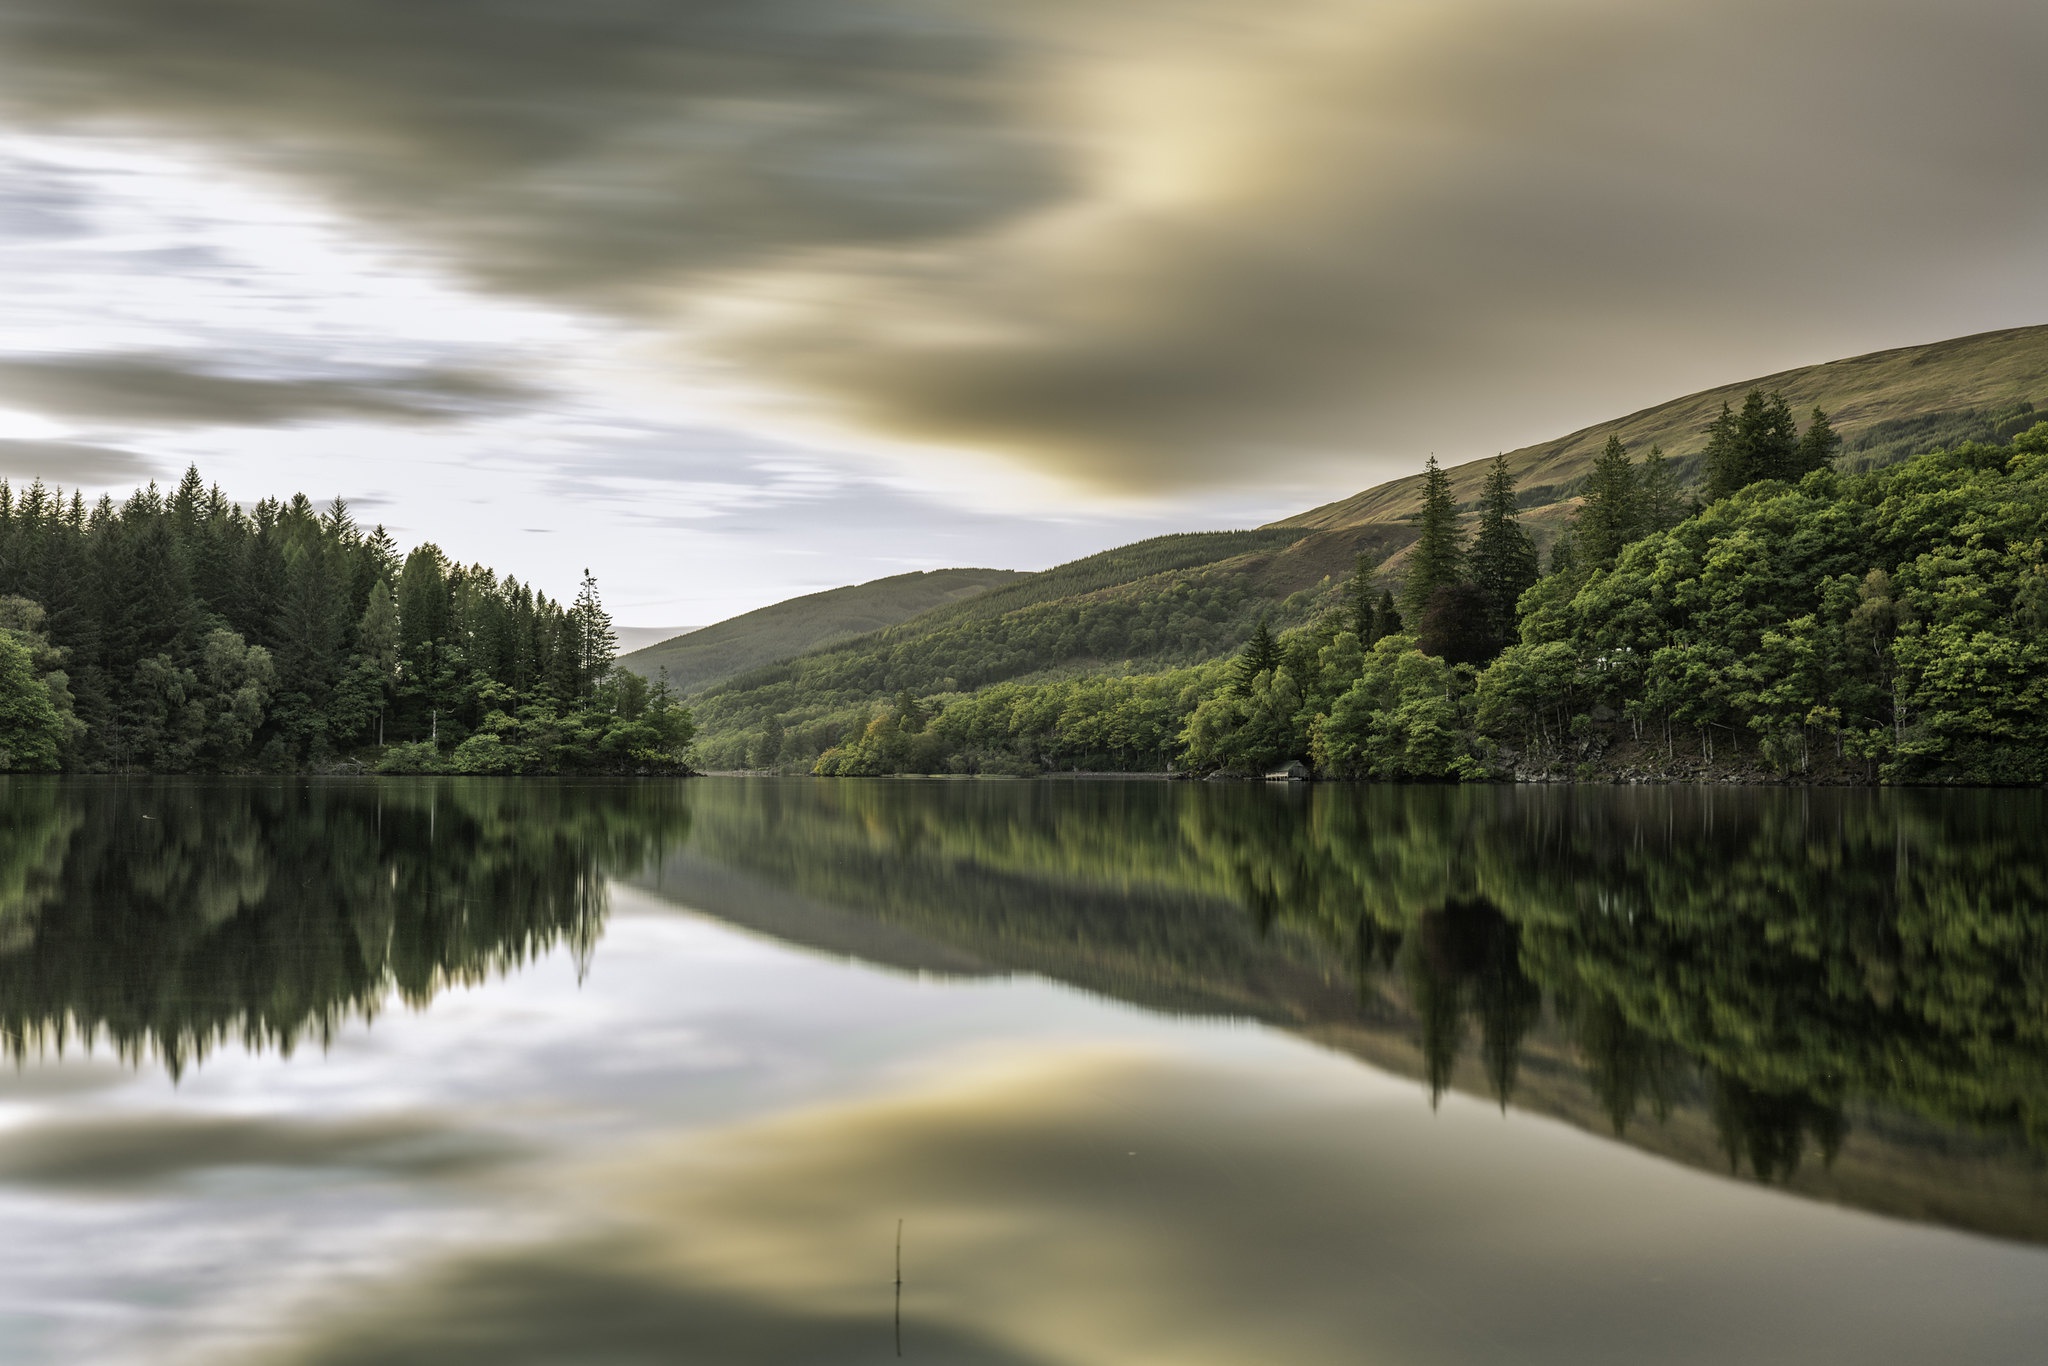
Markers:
<point>730,300</point>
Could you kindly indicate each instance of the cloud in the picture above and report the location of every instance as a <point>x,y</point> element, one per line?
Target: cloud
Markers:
<point>160,390</point>
<point>1090,1207</point>
<point>1151,245</point>
<point>151,1150</point>
<point>71,462</point>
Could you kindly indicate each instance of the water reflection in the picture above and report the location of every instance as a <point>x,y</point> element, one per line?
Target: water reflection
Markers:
<point>1772,968</point>
<point>1844,991</point>
<point>168,917</point>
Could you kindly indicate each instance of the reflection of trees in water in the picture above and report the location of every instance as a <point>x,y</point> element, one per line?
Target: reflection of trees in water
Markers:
<point>1776,953</point>
<point>170,916</point>
<point>1773,955</point>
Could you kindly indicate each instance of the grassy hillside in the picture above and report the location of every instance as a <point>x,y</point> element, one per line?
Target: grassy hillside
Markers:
<point>702,658</point>
<point>1886,405</point>
<point>1170,601</point>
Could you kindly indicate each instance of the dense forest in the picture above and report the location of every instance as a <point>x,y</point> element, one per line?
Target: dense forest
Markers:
<point>179,633</point>
<point>1783,619</point>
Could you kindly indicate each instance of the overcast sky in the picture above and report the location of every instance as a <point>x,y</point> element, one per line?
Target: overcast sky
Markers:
<point>735,299</point>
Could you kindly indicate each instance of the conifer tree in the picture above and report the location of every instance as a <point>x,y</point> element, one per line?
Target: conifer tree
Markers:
<point>1359,594</point>
<point>1503,557</point>
<point>596,645</point>
<point>1611,516</point>
<point>1438,556</point>
<point>1387,620</point>
<point>1261,654</point>
<point>1817,448</point>
<point>1657,493</point>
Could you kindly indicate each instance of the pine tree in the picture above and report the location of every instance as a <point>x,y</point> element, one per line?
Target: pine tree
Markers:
<point>1503,557</point>
<point>596,645</point>
<point>1611,516</point>
<point>1438,557</point>
<point>1261,654</point>
<point>1657,493</point>
<point>1760,442</point>
<point>1359,594</point>
<point>1387,620</point>
<point>1817,448</point>
<point>1722,463</point>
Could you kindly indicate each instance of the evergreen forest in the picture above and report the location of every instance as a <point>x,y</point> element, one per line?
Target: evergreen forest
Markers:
<point>181,633</point>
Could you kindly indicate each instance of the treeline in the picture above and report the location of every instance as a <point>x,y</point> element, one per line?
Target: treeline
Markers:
<point>180,633</point>
<point>1785,620</point>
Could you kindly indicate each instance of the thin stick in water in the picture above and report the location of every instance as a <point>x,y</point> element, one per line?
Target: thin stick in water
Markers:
<point>899,1287</point>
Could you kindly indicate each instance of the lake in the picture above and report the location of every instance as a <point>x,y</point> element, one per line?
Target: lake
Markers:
<point>1022,1073</point>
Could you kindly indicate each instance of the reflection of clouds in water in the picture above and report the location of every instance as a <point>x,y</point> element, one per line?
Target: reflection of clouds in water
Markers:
<point>1090,1206</point>
<point>112,1153</point>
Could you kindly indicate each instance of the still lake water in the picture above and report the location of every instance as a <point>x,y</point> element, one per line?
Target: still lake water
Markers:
<point>465,1072</point>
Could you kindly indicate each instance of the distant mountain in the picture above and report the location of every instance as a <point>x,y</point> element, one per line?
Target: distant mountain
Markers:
<point>703,657</point>
<point>1887,405</point>
<point>633,638</point>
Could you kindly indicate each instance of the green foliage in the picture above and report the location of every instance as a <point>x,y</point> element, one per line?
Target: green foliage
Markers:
<point>1612,514</point>
<point>1763,442</point>
<point>1407,717</point>
<point>1157,606</point>
<point>1503,557</point>
<point>182,633</point>
<point>1438,556</point>
<point>1891,626</point>
<point>31,731</point>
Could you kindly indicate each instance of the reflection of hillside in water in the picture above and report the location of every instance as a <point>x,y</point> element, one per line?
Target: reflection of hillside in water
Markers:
<point>1843,991</point>
<point>170,916</point>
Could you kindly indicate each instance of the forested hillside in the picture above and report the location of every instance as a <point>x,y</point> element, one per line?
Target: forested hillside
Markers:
<point>1790,619</point>
<point>1171,601</point>
<point>180,633</point>
<point>715,653</point>
<point>1296,647</point>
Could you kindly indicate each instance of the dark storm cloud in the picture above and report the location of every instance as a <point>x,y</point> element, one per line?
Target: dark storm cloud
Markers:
<point>71,462</point>
<point>161,390</point>
<point>1174,241</point>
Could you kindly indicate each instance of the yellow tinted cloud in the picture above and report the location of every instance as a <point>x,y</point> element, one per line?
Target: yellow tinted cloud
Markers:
<point>1148,245</point>
<point>1083,1207</point>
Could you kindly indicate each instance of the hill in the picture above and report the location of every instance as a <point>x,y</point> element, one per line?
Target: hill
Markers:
<point>1168,608</point>
<point>1887,405</point>
<point>704,657</point>
<point>1168,602</point>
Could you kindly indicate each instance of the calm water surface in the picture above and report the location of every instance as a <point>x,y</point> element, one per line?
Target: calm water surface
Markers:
<point>458,1071</point>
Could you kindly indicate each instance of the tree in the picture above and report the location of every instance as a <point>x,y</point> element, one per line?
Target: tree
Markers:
<point>1260,655</point>
<point>31,731</point>
<point>1761,442</point>
<point>1503,557</point>
<point>1657,493</point>
<point>596,646</point>
<point>1358,594</point>
<point>1817,448</point>
<point>1611,515</point>
<point>1438,556</point>
<point>1456,625</point>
